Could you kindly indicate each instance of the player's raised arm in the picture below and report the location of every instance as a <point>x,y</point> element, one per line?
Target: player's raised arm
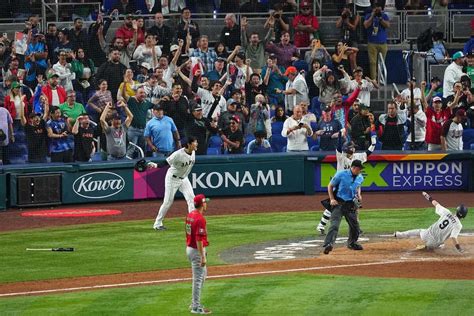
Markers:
<point>429,198</point>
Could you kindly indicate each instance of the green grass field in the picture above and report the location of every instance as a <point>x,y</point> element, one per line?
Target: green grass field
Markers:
<point>133,247</point>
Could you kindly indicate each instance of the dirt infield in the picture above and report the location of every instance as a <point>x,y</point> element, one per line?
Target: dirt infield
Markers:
<point>386,258</point>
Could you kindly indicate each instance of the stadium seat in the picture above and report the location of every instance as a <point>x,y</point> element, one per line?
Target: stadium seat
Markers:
<point>468,138</point>
<point>213,151</point>
<point>316,107</point>
<point>215,141</point>
<point>314,148</point>
<point>313,143</point>
<point>248,139</point>
<point>277,127</point>
<point>278,142</point>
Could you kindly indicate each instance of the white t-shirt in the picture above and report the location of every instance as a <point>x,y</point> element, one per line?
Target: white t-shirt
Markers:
<point>420,126</point>
<point>448,225</point>
<point>299,84</point>
<point>454,137</point>
<point>55,97</point>
<point>181,163</point>
<point>343,162</point>
<point>362,3</point>
<point>416,94</point>
<point>17,101</point>
<point>364,94</point>
<point>297,140</point>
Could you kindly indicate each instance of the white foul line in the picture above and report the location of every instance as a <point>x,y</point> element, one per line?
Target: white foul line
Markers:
<point>91,287</point>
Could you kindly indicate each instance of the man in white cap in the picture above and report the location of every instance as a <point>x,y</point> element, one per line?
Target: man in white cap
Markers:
<point>453,73</point>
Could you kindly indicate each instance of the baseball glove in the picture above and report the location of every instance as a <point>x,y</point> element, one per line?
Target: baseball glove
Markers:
<point>141,165</point>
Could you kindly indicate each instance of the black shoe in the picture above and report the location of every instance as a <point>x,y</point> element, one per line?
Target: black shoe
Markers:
<point>160,228</point>
<point>355,246</point>
<point>327,249</point>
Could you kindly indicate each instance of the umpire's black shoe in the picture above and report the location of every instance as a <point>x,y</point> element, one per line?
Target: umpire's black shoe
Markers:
<point>327,249</point>
<point>355,246</point>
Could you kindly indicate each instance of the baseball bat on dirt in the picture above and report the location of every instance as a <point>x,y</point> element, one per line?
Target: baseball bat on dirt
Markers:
<point>50,249</point>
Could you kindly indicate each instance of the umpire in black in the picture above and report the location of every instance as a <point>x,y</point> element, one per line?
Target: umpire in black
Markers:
<point>344,196</point>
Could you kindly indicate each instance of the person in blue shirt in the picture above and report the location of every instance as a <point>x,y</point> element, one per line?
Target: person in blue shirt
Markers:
<point>259,145</point>
<point>161,133</point>
<point>375,24</point>
<point>56,127</point>
<point>344,194</point>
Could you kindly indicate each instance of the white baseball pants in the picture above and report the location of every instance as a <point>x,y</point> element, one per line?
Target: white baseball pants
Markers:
<point>199,274</point>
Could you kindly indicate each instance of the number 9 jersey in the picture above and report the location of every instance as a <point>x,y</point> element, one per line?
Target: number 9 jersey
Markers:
<point>448,225</point>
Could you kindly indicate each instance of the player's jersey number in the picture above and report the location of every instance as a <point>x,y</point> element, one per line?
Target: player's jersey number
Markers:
<point>444,224</point>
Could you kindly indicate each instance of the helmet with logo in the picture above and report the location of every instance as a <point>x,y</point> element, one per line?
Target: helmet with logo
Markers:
<point>461,211</point>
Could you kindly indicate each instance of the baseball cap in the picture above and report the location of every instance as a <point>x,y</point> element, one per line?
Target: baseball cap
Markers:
<point>437,99</point>
<point>358,69</point>
<point>157,107</point>
<point>52,74</point>
<point>357,163</point>
<point>458,55</point>
<point>305,4</point>
<point>357,100</point>
<point>291,69</point>
<point>15,85</point>
<point>471,53</point>
<point>196,107</point>
<point>200,199</point>
<point>145,65</point>
<point>173,47</point>
<point>363,106</point>
<point>272,56</point>
<point>235,118</point>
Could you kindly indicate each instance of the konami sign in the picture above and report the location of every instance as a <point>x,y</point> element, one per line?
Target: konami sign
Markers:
<point>236,179</point>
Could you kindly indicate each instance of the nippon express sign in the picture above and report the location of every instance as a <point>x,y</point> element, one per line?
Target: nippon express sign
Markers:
<point>98,186</point>
<point>403,175</point>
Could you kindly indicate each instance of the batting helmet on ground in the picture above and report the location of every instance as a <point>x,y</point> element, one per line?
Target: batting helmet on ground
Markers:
<point>461,211</point>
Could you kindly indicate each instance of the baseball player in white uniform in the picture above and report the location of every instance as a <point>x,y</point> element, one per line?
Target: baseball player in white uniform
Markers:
<point>181,162</point>
<point>448,226</point>
<point>344,157</point>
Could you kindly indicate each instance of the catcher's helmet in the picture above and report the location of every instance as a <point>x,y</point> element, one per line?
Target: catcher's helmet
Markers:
<point>141,165</point>
<point>461,211</point>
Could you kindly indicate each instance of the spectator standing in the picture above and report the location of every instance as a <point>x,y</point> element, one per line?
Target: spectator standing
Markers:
<point>253,87</point>
<point>306,25</point>
<point>436,116</point>
<point>366,85</point>
<point>207,97</point>
<point>453,73</point>
<point>327,130</point>
<point>61,150</point>
<point>200,127</point>
<point>64,45</point>
<point>176,107</point>
<point>125,51</point>
<point>325,79</point>
<point>116,132</point>
<point>230,34</point>
<point>161,133</point>
<point>63,69</point>
<point>112,71</point>
<point>71,109</point>
<point>275,81</point>
<point>6,135</point>
<point>127,31</point>
<point>233,138</point>
<point>360,128</point>
<point>124,7</point>
<point>225,117</point>
<point>297,131</point>
<point>84,69</point>
<point>344,55</point>
<point>260,145</point>
<point>207,56</point>
<point>36,135</point>
<point>139,107</point>
<point>15,102</point>
<point>296,89</point>
<point>308,116</point>
<point>148,52</point>
<point>284,51</point>
<point>317,52</point>
<point>187,26</point>
<point>53,91</point>
<point>451,136</point>
<point>259,118</point>
<point>128,87</point>
<point>98,102</point>
<point>419,121</point>
<point>280,20</point>
<point>341,108</point>
<point>348,23</point>
<point>35,57</point>
<point>219,71</point>
<point>376,23</point>
<point>83,132</point>
<point>163,33</point>
<point>52,40</point>
<point>391,127</point>
<point>78,35</point>
<point>254,48</point>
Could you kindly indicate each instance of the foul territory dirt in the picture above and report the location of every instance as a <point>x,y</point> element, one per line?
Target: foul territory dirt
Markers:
<point>387,258</point>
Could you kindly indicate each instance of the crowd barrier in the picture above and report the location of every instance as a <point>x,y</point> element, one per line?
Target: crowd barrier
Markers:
<point>265,174</point>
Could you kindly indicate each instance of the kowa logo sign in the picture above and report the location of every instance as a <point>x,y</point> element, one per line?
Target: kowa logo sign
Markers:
<point>236,179</point>
<point>98,185</point>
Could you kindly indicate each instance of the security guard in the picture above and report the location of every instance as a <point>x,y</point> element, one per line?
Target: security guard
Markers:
<point>344,194</point>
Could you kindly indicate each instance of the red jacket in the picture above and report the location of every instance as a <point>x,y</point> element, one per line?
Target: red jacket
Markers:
<point>9,104</point>
<point>46,90</point>
<point>127,35</point>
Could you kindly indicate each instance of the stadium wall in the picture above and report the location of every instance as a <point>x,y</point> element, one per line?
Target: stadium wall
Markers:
<point>284,173</point>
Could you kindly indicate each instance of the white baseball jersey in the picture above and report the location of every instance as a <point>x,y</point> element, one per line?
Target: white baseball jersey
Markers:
<point>181,163</point>
<point>448,225</point>
<point>345,163</point>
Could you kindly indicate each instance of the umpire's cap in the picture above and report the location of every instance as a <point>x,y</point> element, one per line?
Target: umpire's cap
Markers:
<point>461,211</point>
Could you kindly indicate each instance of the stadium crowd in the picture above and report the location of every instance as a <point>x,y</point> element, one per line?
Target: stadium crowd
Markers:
<point>143,90</point>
